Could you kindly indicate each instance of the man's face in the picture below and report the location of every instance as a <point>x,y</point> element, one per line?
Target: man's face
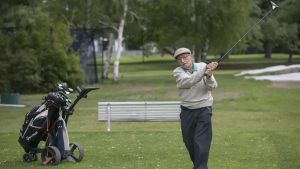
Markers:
<point>185,61</point>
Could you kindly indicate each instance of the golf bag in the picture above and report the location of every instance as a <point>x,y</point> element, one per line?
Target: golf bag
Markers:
<point>48,122</point>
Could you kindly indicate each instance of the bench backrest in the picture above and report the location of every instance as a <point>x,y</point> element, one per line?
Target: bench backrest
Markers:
<point>139,111</point>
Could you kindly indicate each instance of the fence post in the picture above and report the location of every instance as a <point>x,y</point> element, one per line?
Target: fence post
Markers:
<point>108,113</point>
<point>146,108</point>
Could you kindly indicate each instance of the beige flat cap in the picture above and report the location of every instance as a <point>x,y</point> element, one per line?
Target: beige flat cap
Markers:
<point>180,51</point>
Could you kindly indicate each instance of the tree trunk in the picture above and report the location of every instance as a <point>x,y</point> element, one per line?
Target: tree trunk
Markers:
<point>204,50</point>
<point>196,51</point>
<point>119,42</point>
<point>87,13</point>
<point>107,56</point>
<point>94,59</point>
<point>290,57</point>
<point>85,55</point>
<point>268,50</point>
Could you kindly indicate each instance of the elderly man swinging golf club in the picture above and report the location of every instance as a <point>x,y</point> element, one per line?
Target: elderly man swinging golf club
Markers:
<point>195,82</point>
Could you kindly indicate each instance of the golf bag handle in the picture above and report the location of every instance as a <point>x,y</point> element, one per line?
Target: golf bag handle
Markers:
<point>83,94</point>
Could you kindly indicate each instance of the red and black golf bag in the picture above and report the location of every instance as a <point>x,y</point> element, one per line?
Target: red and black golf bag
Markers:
<point>47,122</point>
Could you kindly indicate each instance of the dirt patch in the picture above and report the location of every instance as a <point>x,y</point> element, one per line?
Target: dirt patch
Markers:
<point>285,85</point>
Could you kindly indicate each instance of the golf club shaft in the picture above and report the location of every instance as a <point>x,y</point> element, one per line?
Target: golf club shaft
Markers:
<point>245,35</point>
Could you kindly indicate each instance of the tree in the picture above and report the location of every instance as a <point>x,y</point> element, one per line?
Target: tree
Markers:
<point>200,25</point>
<point>36,44</point>
<point>269,28</point>
<point>290,27</point>
<point>115,18</point>
<point>270,35</point>
<point>122,10</point>
<point>79,16</point>
<point>104,18</point>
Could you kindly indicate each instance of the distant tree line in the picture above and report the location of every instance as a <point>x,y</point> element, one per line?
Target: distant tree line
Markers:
<point>35,34</point>
<point>212,26</point>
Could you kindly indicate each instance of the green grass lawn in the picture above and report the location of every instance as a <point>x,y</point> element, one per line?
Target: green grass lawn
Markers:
<point>254,126</point>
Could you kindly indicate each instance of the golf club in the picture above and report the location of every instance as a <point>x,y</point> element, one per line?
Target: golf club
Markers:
<point>274,6</point>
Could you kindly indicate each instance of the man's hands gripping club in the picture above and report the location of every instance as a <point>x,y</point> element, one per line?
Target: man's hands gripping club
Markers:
<point>210,69</point>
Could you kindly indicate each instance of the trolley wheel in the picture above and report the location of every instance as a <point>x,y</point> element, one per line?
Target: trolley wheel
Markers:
<point>76,152</point>
<point>29,157</point>
<point>50,155</point>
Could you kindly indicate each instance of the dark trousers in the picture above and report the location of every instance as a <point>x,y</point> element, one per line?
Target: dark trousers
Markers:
<point>197,134</point>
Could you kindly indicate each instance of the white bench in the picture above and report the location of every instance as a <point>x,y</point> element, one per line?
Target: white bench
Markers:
<point>138,111</point>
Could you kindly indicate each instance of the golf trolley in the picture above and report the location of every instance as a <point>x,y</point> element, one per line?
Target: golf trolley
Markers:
<point>48,122</point>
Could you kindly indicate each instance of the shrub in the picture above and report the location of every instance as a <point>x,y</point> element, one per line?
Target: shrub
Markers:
<point>34,56</point>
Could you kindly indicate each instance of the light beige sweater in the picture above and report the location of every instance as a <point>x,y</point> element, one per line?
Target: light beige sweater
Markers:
<point>195,88</point>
